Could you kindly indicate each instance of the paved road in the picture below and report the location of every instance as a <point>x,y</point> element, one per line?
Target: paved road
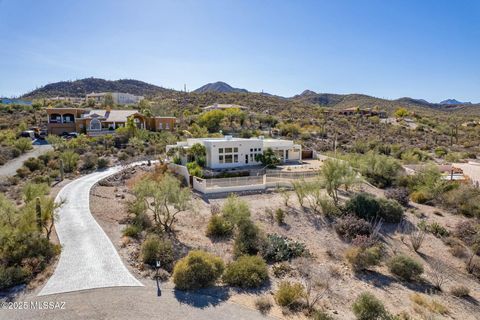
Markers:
<point>88,259</point>
<point>10,168</point>
<point>133,303</point>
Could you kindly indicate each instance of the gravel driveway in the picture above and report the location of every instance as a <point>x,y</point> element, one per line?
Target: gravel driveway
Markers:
<point>88,259</point>
<point>10,168</point>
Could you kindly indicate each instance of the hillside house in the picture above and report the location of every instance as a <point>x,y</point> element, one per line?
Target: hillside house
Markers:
<point>120,98</point>
<point>101,121</point>
<point>230,152</point>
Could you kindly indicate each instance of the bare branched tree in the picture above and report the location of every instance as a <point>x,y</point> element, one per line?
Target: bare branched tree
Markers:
<point>439,273</point>
<point>315,282</point>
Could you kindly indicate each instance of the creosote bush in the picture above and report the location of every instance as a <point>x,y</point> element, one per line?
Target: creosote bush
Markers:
<point>249,239</point>
<point>263,304</point>
<point>349,227</point>
<point>460,291</point>
<point>363,258</point>
<point>369,207</point>
<point>154,248</point>
<point>289,293</point>
<point>368,307</point>
<point>219,227</point>
<point>199,269</point>
<point>246,272</point>
<point>401,195</point>
<point>405,267</point>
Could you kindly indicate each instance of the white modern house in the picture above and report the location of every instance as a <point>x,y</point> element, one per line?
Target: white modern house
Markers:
<point>230,152</point>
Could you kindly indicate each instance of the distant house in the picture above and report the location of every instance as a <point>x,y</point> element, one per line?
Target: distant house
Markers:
<point>101,121</point>
<point>448,171</point>
<point>217,106</point>
<point>230,152</point>
<point>118,97</point>
<point>369,112</point>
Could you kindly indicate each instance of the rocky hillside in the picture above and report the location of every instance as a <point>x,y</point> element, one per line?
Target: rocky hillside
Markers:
<point>79,88</point>
<point>218,86</point>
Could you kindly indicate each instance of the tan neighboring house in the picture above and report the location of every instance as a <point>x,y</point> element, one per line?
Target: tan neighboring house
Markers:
<point>101,121</point>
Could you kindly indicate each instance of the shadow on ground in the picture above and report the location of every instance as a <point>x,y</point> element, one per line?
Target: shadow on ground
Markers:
<point>202,298</point>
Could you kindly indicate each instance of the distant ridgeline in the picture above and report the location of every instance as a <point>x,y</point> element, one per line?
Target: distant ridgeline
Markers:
<point>15,101</point>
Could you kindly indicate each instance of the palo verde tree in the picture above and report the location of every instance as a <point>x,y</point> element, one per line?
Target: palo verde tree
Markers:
<point>164,198</point>
<point>335,174</point>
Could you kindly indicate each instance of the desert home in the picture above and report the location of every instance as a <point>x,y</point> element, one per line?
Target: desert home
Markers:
<point>118,97</point>
<point>230,152</point>
<point>101,121</point>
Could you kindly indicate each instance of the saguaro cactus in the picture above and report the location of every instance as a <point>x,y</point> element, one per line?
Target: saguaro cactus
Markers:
<point>38,210</point>
<point>62,170</point>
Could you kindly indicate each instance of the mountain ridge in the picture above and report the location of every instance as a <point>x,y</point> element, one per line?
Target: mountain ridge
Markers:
<point>219,86</point>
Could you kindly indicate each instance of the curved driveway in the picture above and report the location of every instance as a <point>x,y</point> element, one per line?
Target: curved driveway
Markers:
<point>88,259</point>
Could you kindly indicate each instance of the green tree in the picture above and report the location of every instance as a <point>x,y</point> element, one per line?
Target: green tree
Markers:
<point>164,198</point>
<point>335,174</point>
<point>108,100</point>
<point>401,113</point>
<point>268,158</point>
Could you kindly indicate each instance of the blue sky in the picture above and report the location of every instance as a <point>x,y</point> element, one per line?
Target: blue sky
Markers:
<point>423,49</point>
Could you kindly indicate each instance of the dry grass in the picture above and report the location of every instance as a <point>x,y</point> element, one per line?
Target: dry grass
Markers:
<point>428,304</point>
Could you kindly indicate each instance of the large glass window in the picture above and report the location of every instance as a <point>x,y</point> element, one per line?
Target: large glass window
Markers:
<point>228,150</point>
<point>235,149</point>
<point>228,158</point>
<point>220,150</point>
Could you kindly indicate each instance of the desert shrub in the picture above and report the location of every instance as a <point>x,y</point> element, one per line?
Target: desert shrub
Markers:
<point>401,195</point>
<point>468,232</point>
<point>364,241</point>
<point>199,269</point>
<point>33,164</point>
<point>390,210</point>
<point>246,272</point>
<point>249,239</point>
<point>460,291</point>
<point>289,293</point>
<point>419,197</point>
<point>280,216</point>
<point>263,304</point>
<point>142,221</point>
<point>70,160</point>
<point>23,172</point>
<point>363,205</point>
<point>102,163</point>
<point>219,227</point>
<point>195,169</point>
<point>363,258</point>
<point>368,207</point>
<point>434,228</point>
<point>23,144</point>
<point>154,248</point>
<point>132,231</point>
<point>320,315</point>
<point>10,276</point>
<point>235,209</point>
<point>405,267</point>
<point>328,207</point>
<point>89,161</point>
<point>281,270</point>
<point>349,227</point>
<point>278,248</point>
<point>368,307</point>
<point>463,200</point>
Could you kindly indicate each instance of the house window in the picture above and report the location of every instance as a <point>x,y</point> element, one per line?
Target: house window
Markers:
<point>235,158</point>
<point>160,126</point>
<point>235,149</point>
<point>220,159</point>
<point>260,149</point>
<point>167,125</point>
<point>95,124</point>
<point>220,150</point>
<point>228,150</point>
<point>228,158</point>
<point>251,150</point>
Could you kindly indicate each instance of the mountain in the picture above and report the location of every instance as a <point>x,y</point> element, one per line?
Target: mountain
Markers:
<point>218,86</point>
<point>79,88</point>
<point>453,101</point>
